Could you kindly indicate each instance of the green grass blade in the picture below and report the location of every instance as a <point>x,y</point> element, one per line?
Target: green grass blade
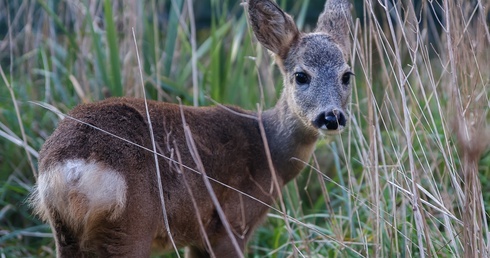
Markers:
<point>171,37</point>
<point>60,25</point>
<point>99,53</point>
<point>116,79</point>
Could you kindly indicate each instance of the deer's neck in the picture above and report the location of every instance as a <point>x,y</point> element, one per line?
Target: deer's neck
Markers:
<point>291,143</point>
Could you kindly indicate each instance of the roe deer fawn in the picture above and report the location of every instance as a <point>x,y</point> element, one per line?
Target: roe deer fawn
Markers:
<point>100,193</point>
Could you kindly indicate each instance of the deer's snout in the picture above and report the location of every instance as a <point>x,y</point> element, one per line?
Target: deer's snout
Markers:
<point>330,120</point>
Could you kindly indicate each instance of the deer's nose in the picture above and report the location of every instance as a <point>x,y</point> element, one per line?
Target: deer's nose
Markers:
<point>330,120</point>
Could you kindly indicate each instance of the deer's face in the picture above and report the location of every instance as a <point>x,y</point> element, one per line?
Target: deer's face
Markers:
<point>316,74</point>
<point>317,82</point>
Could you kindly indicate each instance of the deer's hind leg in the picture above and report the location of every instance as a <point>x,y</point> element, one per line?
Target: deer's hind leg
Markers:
<point>94,212</point>
<point>105,238</point>
<point>67,242</point>
<point>121,239</point>
<point>131,233</point>
<point>194,252</point>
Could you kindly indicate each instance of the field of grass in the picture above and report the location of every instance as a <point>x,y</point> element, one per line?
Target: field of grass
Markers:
<point>410,177</point>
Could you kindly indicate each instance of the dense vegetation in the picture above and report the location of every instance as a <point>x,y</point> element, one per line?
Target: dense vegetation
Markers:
<point>409,177</point>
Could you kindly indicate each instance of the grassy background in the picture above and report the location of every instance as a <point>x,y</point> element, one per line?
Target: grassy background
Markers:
<point>409,177</point>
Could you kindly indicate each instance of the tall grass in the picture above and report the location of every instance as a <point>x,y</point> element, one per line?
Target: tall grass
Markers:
<point>409,177</point>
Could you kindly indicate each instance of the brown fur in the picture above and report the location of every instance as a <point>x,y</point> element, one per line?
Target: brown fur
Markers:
<point>98,184</point>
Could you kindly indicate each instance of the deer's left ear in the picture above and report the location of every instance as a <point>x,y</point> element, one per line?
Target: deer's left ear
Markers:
<point>273,28</point>
<point>334,21</point>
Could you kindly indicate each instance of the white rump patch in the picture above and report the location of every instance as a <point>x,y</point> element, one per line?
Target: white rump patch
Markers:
<point>80,191</point>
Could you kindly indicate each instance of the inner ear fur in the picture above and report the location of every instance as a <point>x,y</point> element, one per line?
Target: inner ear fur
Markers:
<point>272,27</point>
<point>335,20</point>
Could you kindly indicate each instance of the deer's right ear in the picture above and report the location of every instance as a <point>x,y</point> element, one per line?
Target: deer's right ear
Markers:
<point>335,20</point>
<point>273,28</point>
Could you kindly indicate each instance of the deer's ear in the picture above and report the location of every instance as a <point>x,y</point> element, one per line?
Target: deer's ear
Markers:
<point>273,28</point>
<point>334,21</point>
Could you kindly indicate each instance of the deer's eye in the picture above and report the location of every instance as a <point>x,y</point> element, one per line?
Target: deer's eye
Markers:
<point>301,78</point>
<point>346,78</point>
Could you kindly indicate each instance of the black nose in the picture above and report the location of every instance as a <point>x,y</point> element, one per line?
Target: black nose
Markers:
<point>330,120</point>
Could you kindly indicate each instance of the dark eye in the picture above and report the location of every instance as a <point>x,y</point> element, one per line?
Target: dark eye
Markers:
<point>301,78</point>
<point>346,78</point>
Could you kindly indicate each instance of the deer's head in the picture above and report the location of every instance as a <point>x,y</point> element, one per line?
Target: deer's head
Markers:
<point>316,74</point>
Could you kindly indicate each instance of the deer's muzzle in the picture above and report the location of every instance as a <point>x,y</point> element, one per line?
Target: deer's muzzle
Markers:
<point>330,120</point>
